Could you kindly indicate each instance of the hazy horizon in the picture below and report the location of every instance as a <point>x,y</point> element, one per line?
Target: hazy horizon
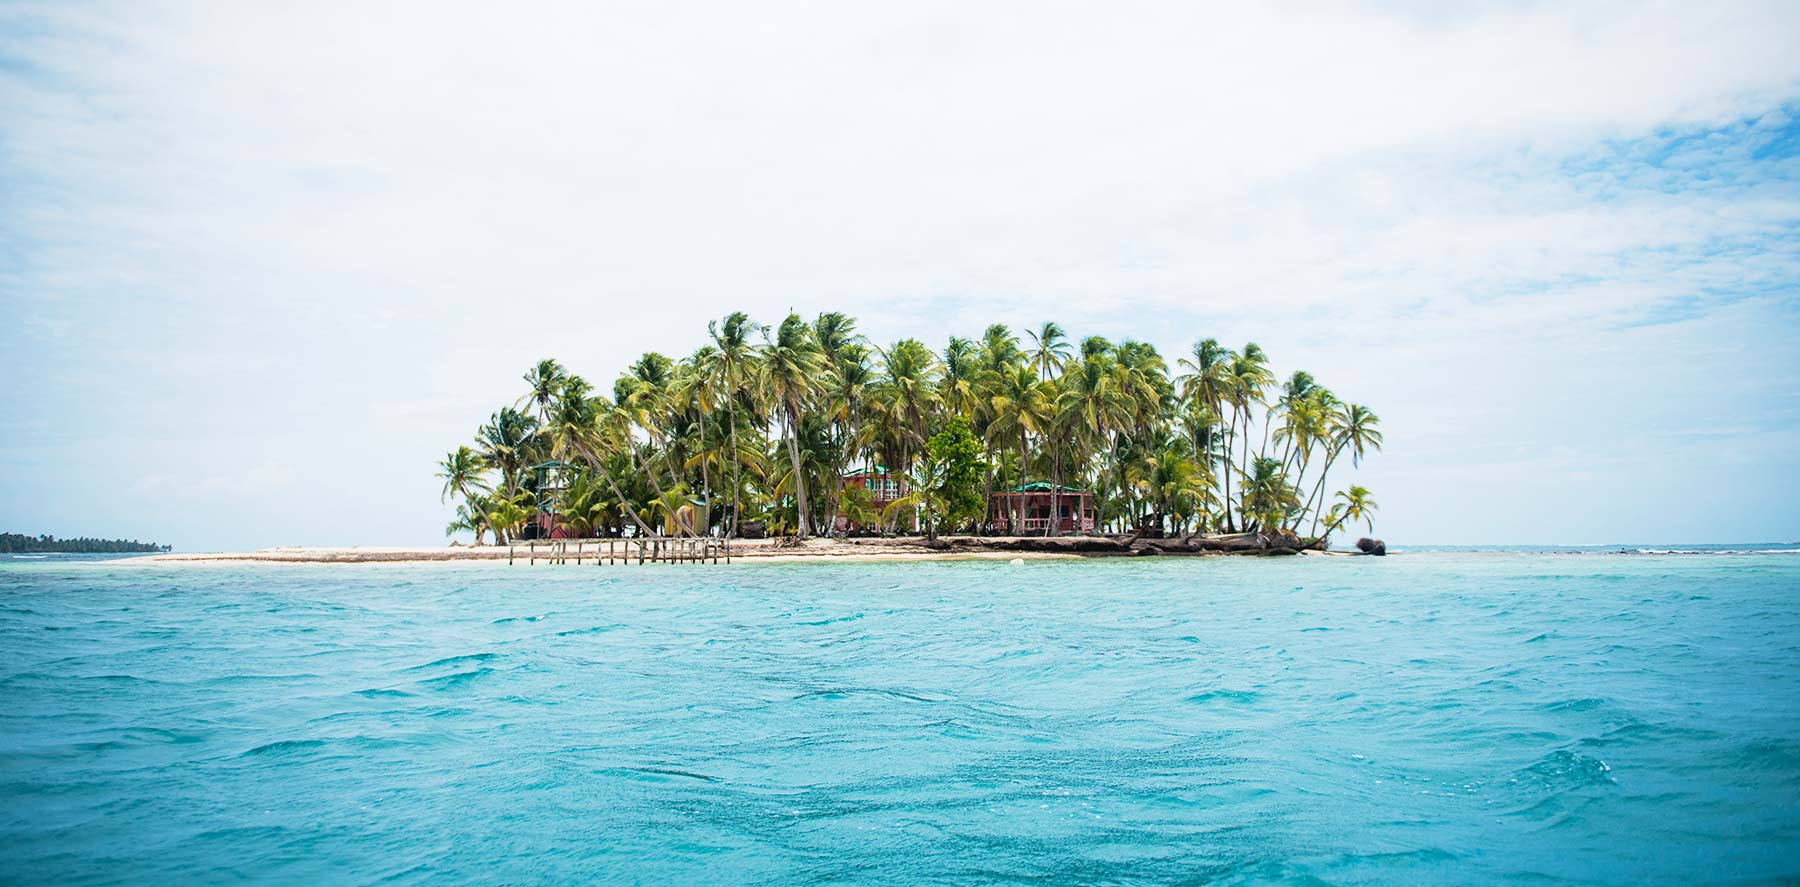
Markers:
<point>264,266</point>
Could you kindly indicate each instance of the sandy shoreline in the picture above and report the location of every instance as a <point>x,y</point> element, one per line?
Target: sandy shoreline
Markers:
<point>742,551</point>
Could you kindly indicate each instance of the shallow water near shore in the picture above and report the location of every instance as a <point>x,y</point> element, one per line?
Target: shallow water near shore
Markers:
<point>1443,717</point>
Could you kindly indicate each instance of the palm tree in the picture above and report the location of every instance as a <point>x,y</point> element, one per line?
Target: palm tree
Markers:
<point>579,429</point>
<point>958,387</point>
<point>545,379</point>
<point>507,515</point>
<point>1249,375</point>
<point>731,367</point>
<point>461,471</point>
<point>1306,423</point>
<point>835,331</point>
<point>646,393</point>
<point>470,517</point>
<point>857,505</point>
<point>1299,387</point>
<point>1174,483</point>
<point>924,489</point>
<point>1050,350</point>
<point>584,506</point>
<point>1357,504</point>
<point>1268,497</point>
<point>1359,430</point>
<point>1091,405</point>
<point>694,386</point>
<point>506,443</point>
<point>905,396</point>
<point>791,365</point>
<point>999,349</point>
<point>1209,382</point>
<point>1019,407</point>
<point>841,402</point>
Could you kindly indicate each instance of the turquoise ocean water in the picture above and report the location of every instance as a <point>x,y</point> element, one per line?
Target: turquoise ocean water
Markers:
<point>1433,717</point>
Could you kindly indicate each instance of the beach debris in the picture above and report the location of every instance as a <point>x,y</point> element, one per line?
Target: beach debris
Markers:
<point>1369,546</point>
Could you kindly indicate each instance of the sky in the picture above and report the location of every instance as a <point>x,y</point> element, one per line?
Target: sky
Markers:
<point>262,264</point>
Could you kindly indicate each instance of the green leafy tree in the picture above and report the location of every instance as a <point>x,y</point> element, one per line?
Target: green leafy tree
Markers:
<point>959,454</point>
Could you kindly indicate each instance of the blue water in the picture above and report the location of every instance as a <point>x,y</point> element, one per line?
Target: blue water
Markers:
<point>1428,718</point>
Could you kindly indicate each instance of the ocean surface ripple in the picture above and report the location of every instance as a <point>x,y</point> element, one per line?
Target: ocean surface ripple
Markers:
<point>1429,718</point>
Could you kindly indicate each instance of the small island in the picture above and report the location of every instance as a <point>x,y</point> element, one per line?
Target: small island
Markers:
<point>19,543</point>
<point>806,430</point>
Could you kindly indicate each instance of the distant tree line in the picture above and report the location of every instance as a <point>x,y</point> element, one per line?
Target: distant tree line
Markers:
<point>19,543</point>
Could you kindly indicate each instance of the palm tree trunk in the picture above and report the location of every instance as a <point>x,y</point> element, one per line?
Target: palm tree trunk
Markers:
<point>1225,464</point>
<point>668,454</point>
<point>737,480</point>
<point>800,510</point>
<point>992,454</point>
<point>1244,454</point>
<point>464,492</point>
<point>705,477</point>
<point>624,503</point>
<point>1018,502</point>
<point>631,448</point>
<point>842,462</point>
<point>1324,472</point>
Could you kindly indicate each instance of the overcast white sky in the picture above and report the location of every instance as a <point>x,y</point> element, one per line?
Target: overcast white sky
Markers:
<point>263,263</point>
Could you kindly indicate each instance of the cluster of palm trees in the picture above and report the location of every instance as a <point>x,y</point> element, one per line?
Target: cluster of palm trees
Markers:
<point>759,424</point>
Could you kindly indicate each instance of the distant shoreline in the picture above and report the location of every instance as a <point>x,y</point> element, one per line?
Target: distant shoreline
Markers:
<point>777,550</point>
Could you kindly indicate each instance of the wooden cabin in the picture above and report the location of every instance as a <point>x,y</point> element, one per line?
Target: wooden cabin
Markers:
<point>884,487</point>
<point>1035,501</point>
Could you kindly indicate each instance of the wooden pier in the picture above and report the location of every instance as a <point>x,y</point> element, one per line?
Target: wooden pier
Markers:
<point>629,551</point>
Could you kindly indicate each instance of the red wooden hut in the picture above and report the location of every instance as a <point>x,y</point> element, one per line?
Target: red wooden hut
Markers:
<point>1036,501</point>
<point>883,486</point>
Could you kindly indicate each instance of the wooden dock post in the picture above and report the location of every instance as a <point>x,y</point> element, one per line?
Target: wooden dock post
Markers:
<point>607,552</point>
